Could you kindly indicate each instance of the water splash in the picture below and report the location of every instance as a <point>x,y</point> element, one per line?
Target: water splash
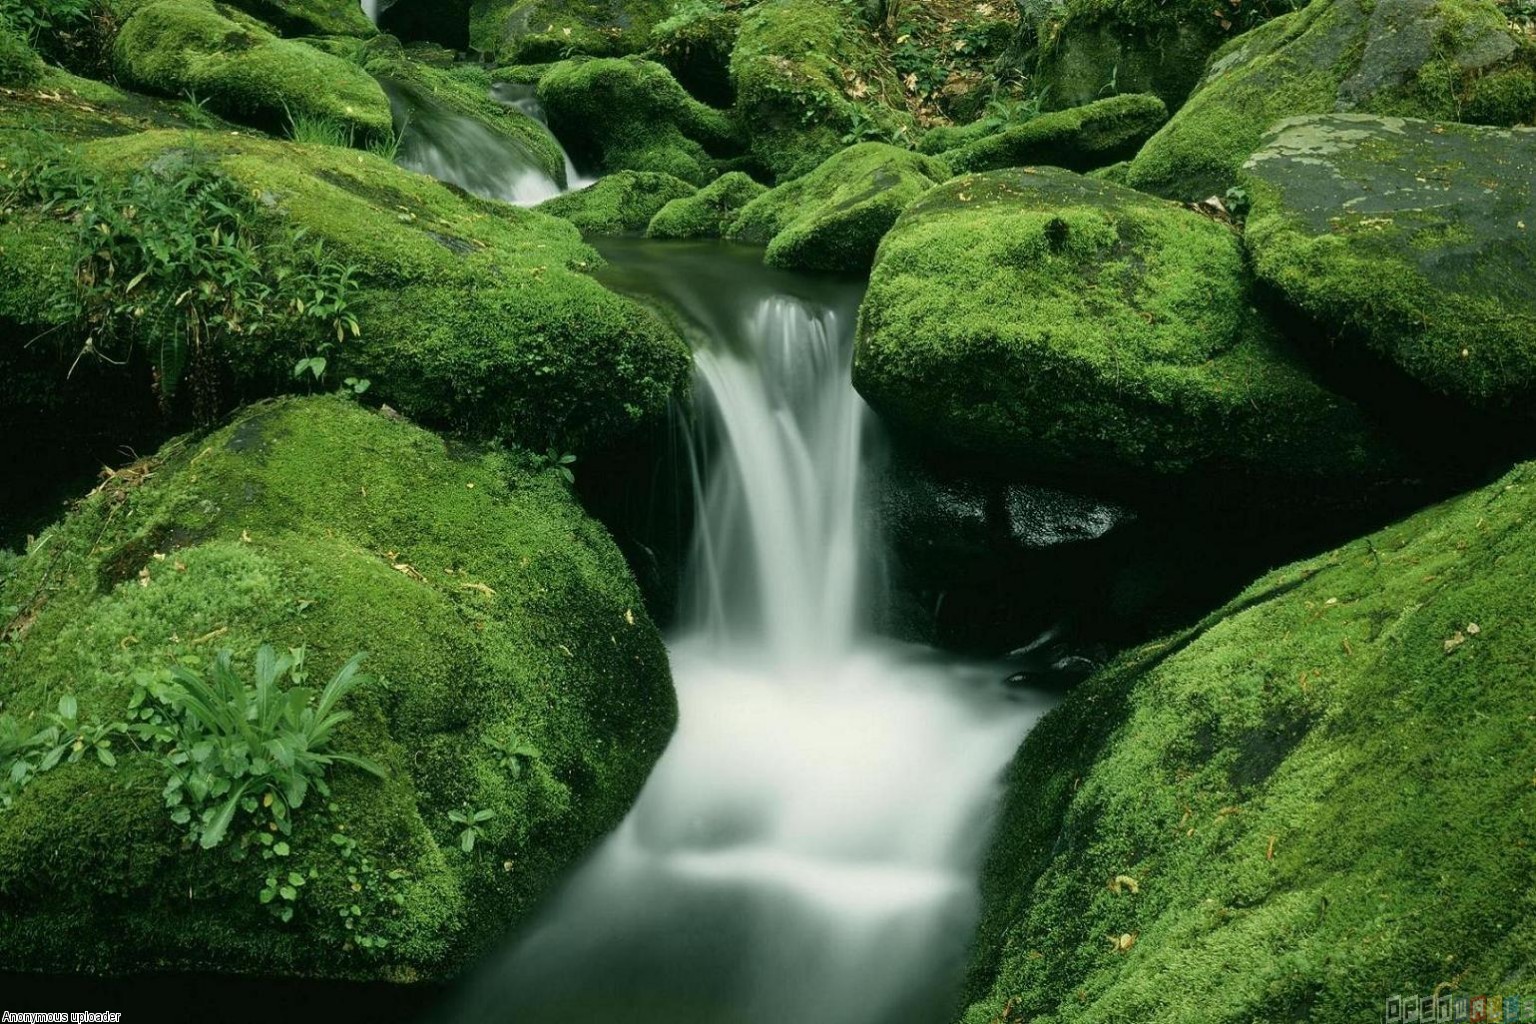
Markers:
<point>806,850</point>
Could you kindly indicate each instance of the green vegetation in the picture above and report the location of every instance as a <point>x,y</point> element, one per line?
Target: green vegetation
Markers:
<point>809,80</point>
<point>1453,60</point>
<point>1319,796</point>
<point>1079,139</point>
<point>619,204</point>
<point>834,217</point>
<point>311,17</point>
<point>20,65</point>
<point>1432,275</point>
<point>708,212</point>
<point>630,114</point>
<point>493,608</point>
<point>531,31</point>
<point>242,71</point>
<point>695,44</point>
<point>1075,325</point>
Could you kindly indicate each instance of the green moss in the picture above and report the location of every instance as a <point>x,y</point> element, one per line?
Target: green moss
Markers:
<point>619,204</point>
<point>630,114</point>
<point>1075,325</point>
<point>307,17</point>
<point>20,65</point>
<point>530,31</point>
<point>466,91</point>
<point>475,315</point>
<point>695,44</point>
<point>1079,139</point>
<point>1452,58</point>
<point>709,211</point>
<point>834,217</point>
<point>808,75</point>
<point>65,106</point>
<point>1431,271</point>
<point>1323,793</point>
<point>490,605</point>
<point>186,47</point>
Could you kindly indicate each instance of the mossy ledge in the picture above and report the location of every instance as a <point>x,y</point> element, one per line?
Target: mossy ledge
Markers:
<point>1318,797</point>
<point>492,609</point>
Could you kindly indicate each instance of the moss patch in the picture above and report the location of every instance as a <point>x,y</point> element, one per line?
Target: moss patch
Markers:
<point>619,204</point>
<point>311,17</point>
<point>1079,139</point>
<point>834,217</point>
<point>1321,796</point>
<point>492,608</point>
<point>630,114</point>
<point>708,212</point>
<point>529,31</point>
<point>187,47</point>
<point>1077,325</point>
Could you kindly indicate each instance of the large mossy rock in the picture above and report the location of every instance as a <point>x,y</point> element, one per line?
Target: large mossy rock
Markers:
<point>1450,60</point>
<point>311,17</point>
<point>709,212</point>
<point>239,69</point>
<point>493,612</point>
<point>628,114</point>
<point>1081,139</point>
<point>529,31</point>
<point>475,315</point>
<point>465,91</point>
<point>1076,325</point>
<point>618,204</point>
<point>1316,798</point>
<point>695,44</point>
<point>808,76</point>
<point>834,217</point>
<point>1413,239</point>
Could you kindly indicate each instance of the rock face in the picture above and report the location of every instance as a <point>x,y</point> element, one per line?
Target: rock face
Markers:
<point>619,204</point>
<point>1073,324</point>
<point>834,217</point>
<point>1412,239</point>
<point>1317,797</point>
<point>495,615</point>
<point>1080,139</point>
<point>808,80</point>
<point>695,44</point>
<point>311,17</point>
<point>709,211</point>
<point>1453,60</point>
<point>242,71</point>
<point>531,31</point>
<point>630,114</point>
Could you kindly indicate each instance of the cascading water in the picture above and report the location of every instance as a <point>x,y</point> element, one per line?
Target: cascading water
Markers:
<point>806,851</point>
<point>452,147</point>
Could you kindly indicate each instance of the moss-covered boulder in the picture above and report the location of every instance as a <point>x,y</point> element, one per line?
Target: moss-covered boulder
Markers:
<point>497,617</point>
<point>1409,238</point>
<point>695,44</point>
<point>473,314</point>
<point>1081,139</point>
<point>1316,798</point>
<point>834,217</point>
<point>1450,60</point>
<point>465,91</point>
<point>809,76</point>
<point>311,17</point>
<point>1072,324</point>
<point>621,114</point>
<point>20,65</point>
<point>239,69</point>
<point>708,212</point>
<point>529,31</point>
<point>63,106</point>
<point>1074,51</point>
<point>618,204</point>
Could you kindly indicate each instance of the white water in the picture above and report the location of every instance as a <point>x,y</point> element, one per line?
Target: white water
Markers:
<point>806,851</point>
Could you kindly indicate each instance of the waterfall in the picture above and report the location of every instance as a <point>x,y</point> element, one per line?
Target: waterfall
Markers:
<point>451,147</point>
<point>806,851</point>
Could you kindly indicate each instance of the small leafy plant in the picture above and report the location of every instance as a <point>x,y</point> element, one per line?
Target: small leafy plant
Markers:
<point>471,820</point>
<point>511,754</point>
<point>257,747</point>
<point>26,753</point>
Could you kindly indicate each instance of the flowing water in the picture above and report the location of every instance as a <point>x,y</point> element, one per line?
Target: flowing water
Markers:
<point>806,850</point>
<point>454,148</point>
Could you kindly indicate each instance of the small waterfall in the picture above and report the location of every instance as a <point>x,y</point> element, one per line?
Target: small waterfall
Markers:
<point>525,98</point>
<point>806,851</point>
<point>452,147</point>
<point>374,8</point>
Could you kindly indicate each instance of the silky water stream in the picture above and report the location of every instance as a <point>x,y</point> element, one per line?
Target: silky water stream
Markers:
<point>807,850</point>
